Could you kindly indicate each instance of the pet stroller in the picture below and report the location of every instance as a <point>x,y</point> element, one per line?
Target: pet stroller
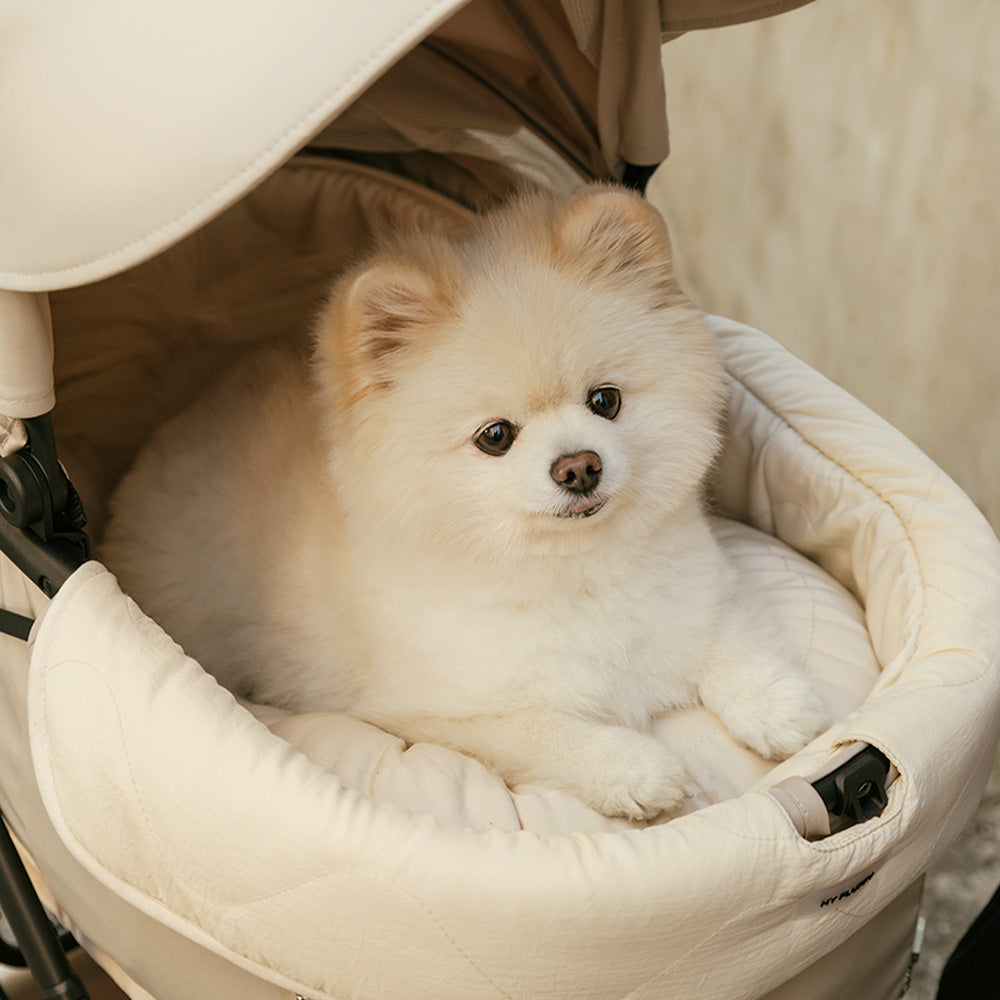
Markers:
<point>178,183</point>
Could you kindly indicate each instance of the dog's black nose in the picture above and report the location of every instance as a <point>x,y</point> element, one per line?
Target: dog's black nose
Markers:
<point>578,473</point>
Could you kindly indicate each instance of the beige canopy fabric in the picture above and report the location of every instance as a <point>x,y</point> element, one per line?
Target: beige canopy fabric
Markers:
<point>127,126</point>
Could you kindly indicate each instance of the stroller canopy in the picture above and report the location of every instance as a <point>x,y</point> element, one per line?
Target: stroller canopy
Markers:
<point>127,126</point>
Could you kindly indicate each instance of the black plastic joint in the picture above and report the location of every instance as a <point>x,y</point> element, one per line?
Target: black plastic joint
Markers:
<point>41,517</point>
<point>861,785</point>
<point>22,501</point>
<point>858,789</point>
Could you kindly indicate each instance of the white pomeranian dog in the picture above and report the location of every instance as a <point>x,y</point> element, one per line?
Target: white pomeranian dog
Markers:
<point>474,516</point>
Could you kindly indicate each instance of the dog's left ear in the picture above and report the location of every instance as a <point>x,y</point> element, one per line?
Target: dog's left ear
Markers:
<point>386,304</point>
<point>373,316</point>
<point>615,234</point>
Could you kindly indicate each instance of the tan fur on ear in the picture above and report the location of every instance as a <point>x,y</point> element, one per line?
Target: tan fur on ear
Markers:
<point>384,304</point>
<point>614,233</point>
<point>374,313</point>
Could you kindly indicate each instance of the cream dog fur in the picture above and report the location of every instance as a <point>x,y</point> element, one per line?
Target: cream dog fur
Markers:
<point>474,516</point>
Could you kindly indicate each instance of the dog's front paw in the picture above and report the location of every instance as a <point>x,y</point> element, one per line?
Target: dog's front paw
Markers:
<point>633,775</point>
<point>777,718</point>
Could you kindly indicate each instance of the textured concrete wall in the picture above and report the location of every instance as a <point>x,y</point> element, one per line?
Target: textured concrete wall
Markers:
<point>835,181</point>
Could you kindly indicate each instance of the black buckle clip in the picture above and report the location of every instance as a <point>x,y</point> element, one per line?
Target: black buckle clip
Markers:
<point>858,789</point>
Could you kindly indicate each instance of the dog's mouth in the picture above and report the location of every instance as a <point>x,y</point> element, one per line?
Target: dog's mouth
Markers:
<point>586,506</point>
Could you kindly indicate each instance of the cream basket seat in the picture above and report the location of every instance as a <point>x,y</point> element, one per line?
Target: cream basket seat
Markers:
<point>201,847</point>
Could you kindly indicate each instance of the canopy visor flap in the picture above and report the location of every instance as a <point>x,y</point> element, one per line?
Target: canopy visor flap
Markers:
<point>128,126</point>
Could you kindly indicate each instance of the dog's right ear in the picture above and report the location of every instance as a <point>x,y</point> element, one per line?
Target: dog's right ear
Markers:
<point>374,314</point>
<point>615,235</point>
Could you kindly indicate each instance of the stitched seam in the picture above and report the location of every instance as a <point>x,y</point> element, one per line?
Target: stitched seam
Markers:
<point>976,615</point>
<point>37,398</point>
<point>944,685</point>
<point>150,829</point>
<point>666,969</point>
<point>804,661</point>
<point>914,643</point>
<point>372,877</point>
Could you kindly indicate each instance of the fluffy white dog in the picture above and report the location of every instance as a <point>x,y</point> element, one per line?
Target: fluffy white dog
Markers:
<point>474,516</point>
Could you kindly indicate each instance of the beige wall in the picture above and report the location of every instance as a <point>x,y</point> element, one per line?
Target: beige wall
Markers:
<point>835,181</point>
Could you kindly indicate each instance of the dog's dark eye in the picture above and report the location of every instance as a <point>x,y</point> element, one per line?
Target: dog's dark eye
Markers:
<point>495,438</point>
<point>605,401</point>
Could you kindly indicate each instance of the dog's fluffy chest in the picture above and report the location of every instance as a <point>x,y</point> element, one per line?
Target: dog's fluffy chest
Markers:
<point>620,643</point>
